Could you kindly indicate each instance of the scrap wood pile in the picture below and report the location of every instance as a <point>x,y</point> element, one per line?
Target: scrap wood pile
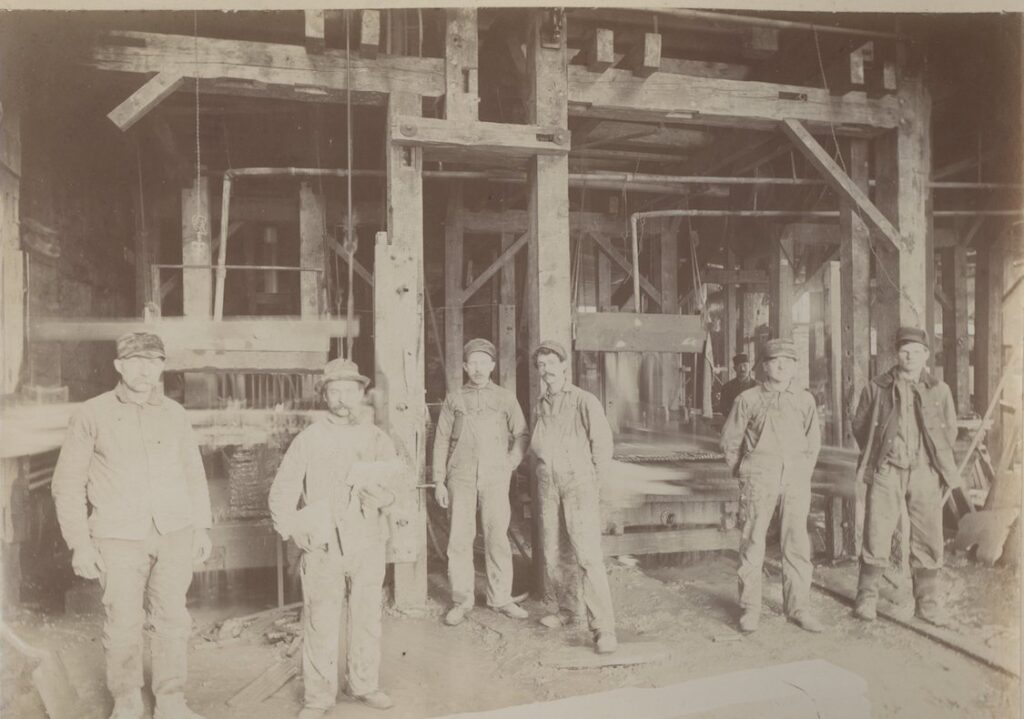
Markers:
<point>281,627</point>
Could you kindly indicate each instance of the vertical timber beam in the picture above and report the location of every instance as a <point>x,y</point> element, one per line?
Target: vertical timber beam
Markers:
<point>461,64</point>
<point>399,343</point>
<point>855,278</point>
<point>988,316</point>
<point>780,273</point>
<point>609,360</point>
<point>548,212</point>
<point>833,333</point>
<point>750,301</point>
<point>731,310</point>
<point>453,285</point>
<point>956,343</point>
<point>669,287</point>
<point>311,250</point>
<point>886,262</point>
<point>143,222</point>
<point>507,319</point>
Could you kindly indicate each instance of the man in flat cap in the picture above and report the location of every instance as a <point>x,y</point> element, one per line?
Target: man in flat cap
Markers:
<point>572,444</point>
<point>131,454</point>
<point>743,381</point>
<point>905,424</point>
<point>480,439</point>
<point>342,533</point>
<point>771,440</point>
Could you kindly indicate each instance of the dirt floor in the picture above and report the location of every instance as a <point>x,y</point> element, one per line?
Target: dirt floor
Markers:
<point>490,661</point>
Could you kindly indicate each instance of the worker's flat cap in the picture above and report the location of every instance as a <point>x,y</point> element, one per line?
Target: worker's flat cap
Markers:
<point>551,347</point>
<point>780,348</point>
<point>342,369</point>
<point>741,357</point>
<point>479,345</point>
<point>140,344</point>
<point>911,334</point>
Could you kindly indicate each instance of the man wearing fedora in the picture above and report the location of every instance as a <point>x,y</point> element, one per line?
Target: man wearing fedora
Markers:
<point>739,384</point>
<point>572,444</point>
<point>906,425</point>
<point>131,454</point>
<point>480,440</point>
<point>342,533</point>
<point>771,440</point>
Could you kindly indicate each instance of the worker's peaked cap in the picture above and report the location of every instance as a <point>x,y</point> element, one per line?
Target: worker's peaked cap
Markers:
<point>140,344</point>
<point>911,334</point>
<point>741,357</point>
<point>341,369</point>
<point>551,347</point>
<point>479,345</point>
<point>780,348</point>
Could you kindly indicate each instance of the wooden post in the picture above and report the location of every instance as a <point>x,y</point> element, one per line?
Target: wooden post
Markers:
<point>886,263</point>
<point>143,221</point>
<point>399,340</point>
<point>988,330</point>
<point>548,210</point>
<point>461,64</point>
<point>507,320</point>
<point>731,319</point>
<point>956,342</point>
<point>833,331</point>
<point>751,301</point>
<point>780,274</point>
<point>197,283</point>
<point>609,360</point>
<point>669,286</point>
<point>453,284</point>
<point>311,249</point>
<point>12,257</point>
<point>854,272</point>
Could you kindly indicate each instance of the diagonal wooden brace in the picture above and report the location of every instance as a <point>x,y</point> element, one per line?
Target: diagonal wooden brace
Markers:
<point>839,181</point>
<point>481,279</point>
<point>140,102</point>
<point>606,247</point>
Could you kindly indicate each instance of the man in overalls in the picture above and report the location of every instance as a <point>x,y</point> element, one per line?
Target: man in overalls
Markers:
<point>480,440</point>
<point>572,443</point>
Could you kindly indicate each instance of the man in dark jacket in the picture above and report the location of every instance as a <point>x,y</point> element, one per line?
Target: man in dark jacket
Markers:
<point>739,384</point>
<point>905,425</point>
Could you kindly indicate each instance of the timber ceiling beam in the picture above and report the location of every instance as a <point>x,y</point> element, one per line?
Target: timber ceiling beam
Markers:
<point>839,181</point>
<point>267,69</point>
<point>515,140</point>
<point>619,94</point>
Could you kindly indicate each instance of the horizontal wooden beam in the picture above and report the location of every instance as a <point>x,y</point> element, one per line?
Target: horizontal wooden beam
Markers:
<point>639,332</point>
<point>505,257</point>
<point>839,181</point>
<point>735,277</point>
<point>248,67</point>
<point>140,102</point>
<point>618,94</point>
<point>606,247</point>
<point>514,140</point>
<point>261,361</point>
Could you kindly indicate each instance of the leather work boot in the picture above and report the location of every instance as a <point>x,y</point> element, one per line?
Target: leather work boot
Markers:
<point>375,700</point>
<point>605,643</point>
<point>926,595</point>
<point>128,705</point>
<point>513,611</point>
<point>807,621</point>
<point>867,592</point>
<point>557,621</point>
<point>750,620</point>
<point>173,706</point>
<point>455,616</point>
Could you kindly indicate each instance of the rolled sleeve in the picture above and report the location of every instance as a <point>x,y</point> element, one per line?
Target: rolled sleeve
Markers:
<point>70,478</point>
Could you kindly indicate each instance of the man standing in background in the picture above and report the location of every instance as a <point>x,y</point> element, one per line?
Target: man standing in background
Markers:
<point>738,384</point>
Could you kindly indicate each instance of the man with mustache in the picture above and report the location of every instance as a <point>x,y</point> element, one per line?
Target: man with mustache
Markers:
<point>572,444</point>
<point>480,440</point>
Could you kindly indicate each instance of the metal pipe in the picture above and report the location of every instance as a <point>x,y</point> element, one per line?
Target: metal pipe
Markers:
<point>750,20</point>
<point>222,249</point>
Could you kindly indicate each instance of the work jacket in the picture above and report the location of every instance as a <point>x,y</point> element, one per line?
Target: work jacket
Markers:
<point>571,439</point>
<point>876,424</point>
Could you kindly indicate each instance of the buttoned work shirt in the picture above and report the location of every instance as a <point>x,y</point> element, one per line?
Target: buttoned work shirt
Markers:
<point>317,468</point>
<point>137,465</point>
<point>492,438</point>
<point>772,423</point>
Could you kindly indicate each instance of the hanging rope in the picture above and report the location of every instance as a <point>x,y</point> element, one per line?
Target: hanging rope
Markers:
<point>351,242</point>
